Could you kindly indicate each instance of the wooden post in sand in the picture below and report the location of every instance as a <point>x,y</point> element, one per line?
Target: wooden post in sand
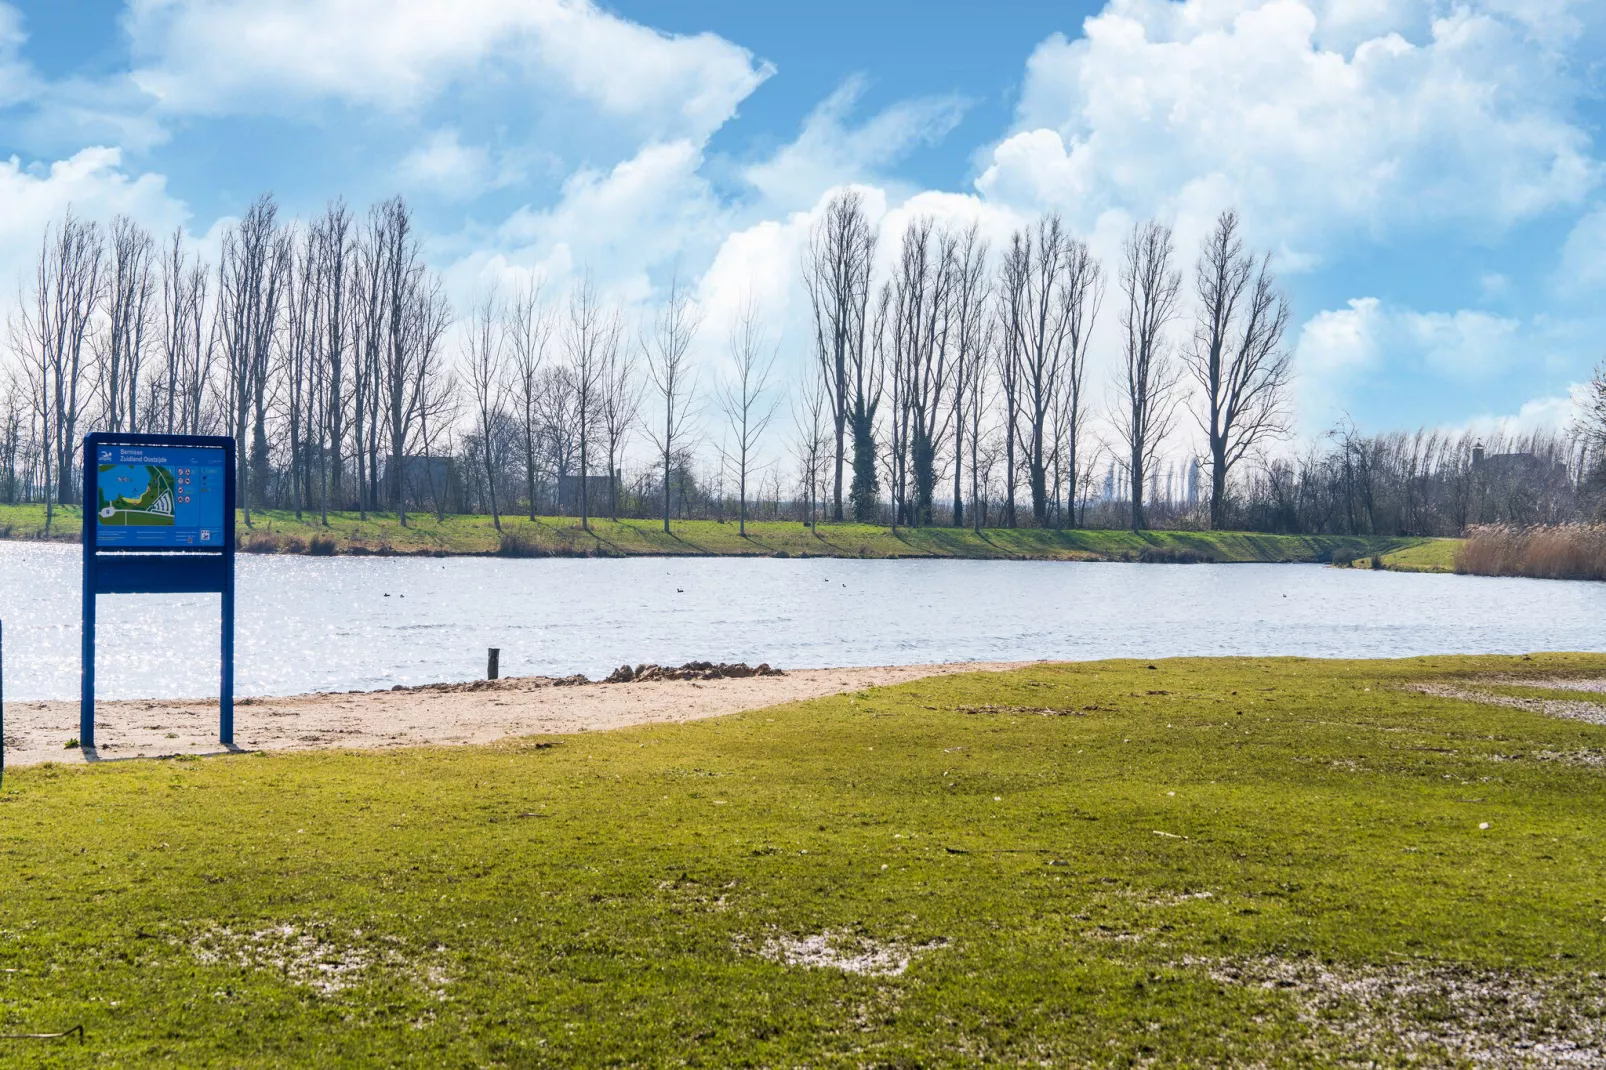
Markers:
<point>493,656</point>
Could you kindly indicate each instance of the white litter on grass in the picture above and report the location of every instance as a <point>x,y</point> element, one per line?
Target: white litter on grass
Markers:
<point>845,951</point>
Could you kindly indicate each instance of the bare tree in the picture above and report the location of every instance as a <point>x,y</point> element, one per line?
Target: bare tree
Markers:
<point>810,416</point>
<point>1237,354</point>
<point>925,335</point>
<point>484,357</point>
<point>560,438</point>
<point>619,404</point>
<point>743,398</point>
<point>1148,381</point>
<point>592,332</point>
<point>1014,308</point>
<point>186,344</point>
<point>970,304</point>
<point>50,341</point>
<point>1082,293</point>
<point>528,328</point>
<point>836,270</point>
<point>250,284</point>
<point>335,239</point>
<point>673,378</point>
<point>976,386</point>
<point>130,288</point>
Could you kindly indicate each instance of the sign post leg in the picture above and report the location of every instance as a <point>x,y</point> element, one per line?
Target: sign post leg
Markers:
<point>225,696</point>
<point>86,705</point>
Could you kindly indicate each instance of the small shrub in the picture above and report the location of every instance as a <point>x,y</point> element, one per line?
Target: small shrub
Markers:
<point>519,544</point>
<point>1377,563</point>
<point>292,544</point>
<point>1344,557</point>
<point>321,545</point>
<point>258,543</point>
<point>1173,555</point>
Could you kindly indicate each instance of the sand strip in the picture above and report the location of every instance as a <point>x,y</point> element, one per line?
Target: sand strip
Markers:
<point>38,731</point>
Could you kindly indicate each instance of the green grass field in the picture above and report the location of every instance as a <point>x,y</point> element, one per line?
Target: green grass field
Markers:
<point>1189,863</point>
<point>280,532</point>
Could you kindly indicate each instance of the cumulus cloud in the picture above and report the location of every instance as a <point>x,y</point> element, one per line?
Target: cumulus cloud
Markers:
<point>1343,354</point>
<point>831,151</point>
<point>1583,257</point>
<point>1183,108</point>
<point>94,184</point>
<point>217,56</point>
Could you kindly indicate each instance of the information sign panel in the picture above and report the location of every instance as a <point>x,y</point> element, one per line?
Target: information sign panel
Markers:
<point>156,497</point>
<point>158,519</point>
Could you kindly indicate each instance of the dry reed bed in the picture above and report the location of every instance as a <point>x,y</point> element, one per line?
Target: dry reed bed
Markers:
<point>1552,552</point>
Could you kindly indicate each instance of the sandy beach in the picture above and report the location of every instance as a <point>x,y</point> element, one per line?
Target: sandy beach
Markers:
<point>433,715</point>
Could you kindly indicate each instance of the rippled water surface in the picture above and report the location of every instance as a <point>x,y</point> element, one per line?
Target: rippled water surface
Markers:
<point>309,624</point>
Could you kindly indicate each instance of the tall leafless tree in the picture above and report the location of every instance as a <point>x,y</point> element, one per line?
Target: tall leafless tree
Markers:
<point>1147,407</point>
<point>50,339</point>
<point>1014,309</point>
<point>744,397</point>
<point>591,333</point>
<point>969,296</point>
<point>483,356</point>
<point>836,271</point>
<point>673,378</point>
<point>336,245</point>
<point>127,310</point>
<point>528,328</point>
<point>810,418</point>
<point>1237,354</point>
<point>618,407</point>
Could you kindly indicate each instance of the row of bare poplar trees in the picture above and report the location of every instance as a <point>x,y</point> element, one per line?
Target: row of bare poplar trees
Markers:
<point>317,347</point>
<point>958,348</point>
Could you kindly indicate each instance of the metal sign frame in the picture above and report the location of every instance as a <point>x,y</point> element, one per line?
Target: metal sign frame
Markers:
<point>157,570</point>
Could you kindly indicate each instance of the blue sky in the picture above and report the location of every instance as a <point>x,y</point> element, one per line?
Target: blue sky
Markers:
<point>1428,174</point>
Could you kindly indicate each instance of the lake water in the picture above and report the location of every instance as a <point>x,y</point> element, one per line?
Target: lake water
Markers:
<point>310,624</point>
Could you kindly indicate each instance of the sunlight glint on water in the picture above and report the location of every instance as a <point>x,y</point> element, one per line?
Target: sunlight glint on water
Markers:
<point>311,624</point>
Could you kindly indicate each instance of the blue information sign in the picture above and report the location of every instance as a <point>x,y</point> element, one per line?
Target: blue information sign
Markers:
<point>156,497</point>
<point>158,519</point>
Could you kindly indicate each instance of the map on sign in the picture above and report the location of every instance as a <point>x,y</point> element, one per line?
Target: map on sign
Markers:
<point>137,495</point>
<point>149,496</point>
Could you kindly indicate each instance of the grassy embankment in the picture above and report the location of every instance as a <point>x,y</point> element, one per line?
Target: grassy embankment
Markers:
<point>275,531</point>
<point>1250,862</point>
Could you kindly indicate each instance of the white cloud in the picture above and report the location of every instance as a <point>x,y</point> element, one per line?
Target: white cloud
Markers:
<point>1465,344</point>
<point>1583,257</point>
<point>217,56</point>
<point>622,225</point>
<point>829,152</point>
<point>1343,355</point>
<point>93,184</point>
<point>1184,108</point>
<point>444,165</point>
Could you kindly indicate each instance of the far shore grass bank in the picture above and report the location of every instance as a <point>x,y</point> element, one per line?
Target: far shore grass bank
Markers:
<point>1178,863</point>
<point>278,531</point>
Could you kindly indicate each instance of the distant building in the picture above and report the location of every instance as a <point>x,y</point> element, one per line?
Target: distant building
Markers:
<point>1524,466</point>
<point>425,481</point>
<point>1193,482</point>
<point>596,492</point>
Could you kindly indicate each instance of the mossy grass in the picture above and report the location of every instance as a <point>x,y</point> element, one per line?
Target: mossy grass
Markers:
<point>277,531</point>
<point>1085,864</point>
<point>1426,555</point>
